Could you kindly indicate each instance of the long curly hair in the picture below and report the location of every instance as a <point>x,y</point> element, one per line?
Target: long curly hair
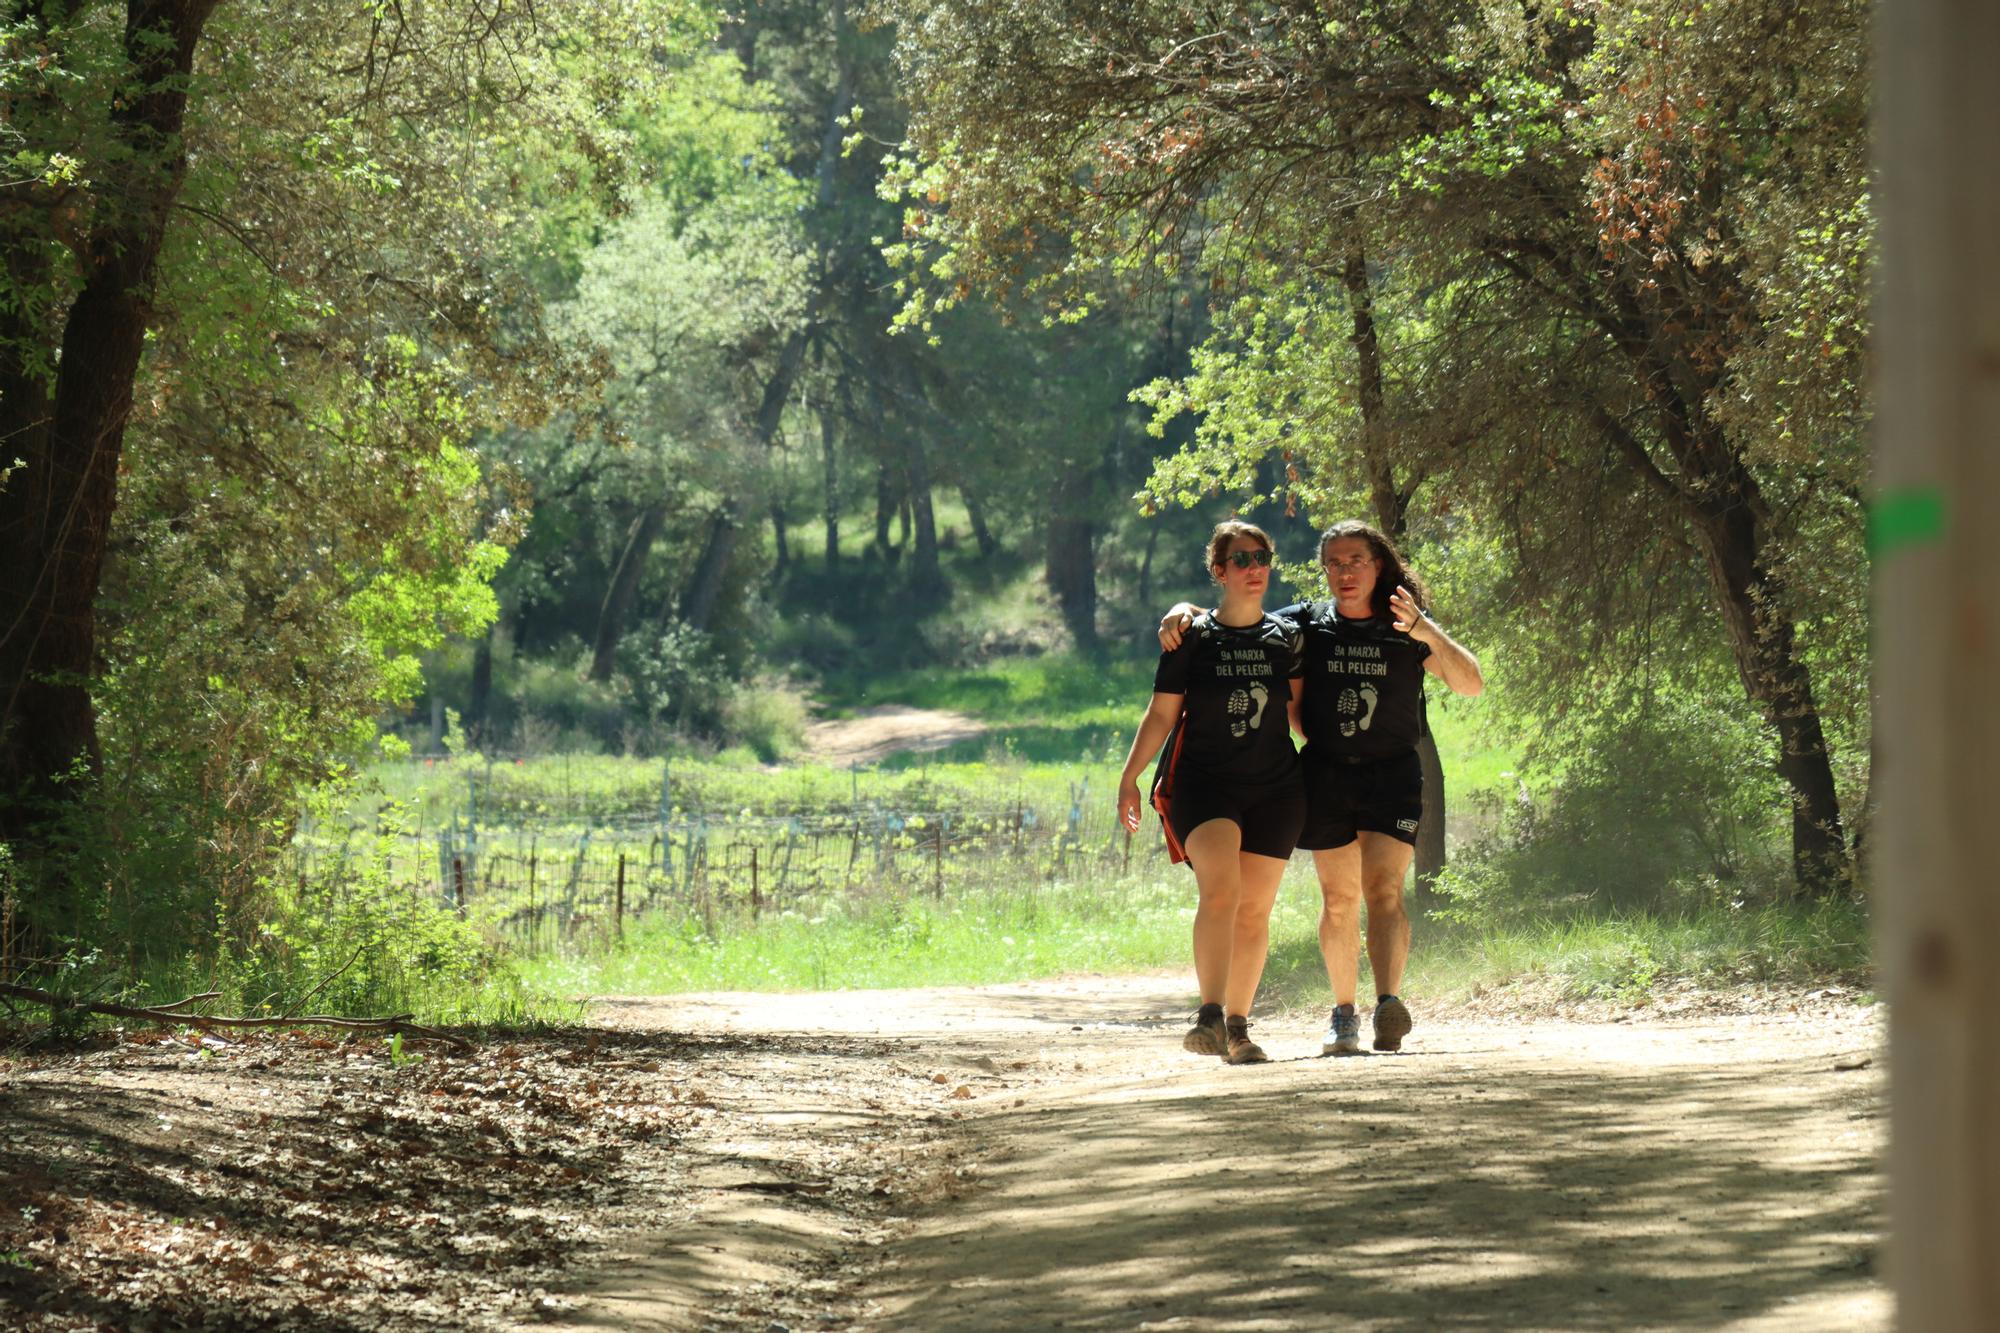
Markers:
<point>1393,571</point>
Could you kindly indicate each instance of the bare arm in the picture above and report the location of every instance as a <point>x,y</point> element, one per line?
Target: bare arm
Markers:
<point>1161,715</point>
<point>1448,661</point>
<point>1175,622</point>
<point>1292,708</point>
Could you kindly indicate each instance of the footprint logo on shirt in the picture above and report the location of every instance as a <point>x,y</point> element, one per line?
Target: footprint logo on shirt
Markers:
<point>1246,709</point>
<point>1356,709</point>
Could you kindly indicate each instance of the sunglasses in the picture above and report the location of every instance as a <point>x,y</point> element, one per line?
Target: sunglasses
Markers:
<point>1245,559</point>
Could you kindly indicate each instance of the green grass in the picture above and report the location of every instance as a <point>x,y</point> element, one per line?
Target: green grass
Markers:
<point>1021,932</point>
<point>1001,933</point>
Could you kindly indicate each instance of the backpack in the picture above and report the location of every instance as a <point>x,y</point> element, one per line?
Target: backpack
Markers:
<point>1163,772</point>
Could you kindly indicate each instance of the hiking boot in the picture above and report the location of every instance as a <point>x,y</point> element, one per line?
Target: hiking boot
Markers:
<point>1242,1050</point>
<point>1392,1023</point>
<point>1207,1036</point>
<point>1343,1032</point>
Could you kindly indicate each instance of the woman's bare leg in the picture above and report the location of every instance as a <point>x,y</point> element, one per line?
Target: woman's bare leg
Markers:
<point>1214,849</point>
<point>1251,936</point>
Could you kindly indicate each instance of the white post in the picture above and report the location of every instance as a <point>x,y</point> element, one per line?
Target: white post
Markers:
<point>1936,536</point>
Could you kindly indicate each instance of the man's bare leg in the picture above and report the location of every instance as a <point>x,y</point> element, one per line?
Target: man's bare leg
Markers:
<point>1339,871</point>
<point>1385,861</point>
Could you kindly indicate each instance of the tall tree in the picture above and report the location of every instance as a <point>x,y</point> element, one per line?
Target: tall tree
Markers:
<point>1607,178</point>
<point>67,372</point>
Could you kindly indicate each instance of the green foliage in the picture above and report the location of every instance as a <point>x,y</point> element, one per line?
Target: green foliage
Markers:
<point>769,715</point>
<point>1600,286</point>
<point>1629,958</point>
<point>1648,801</point>
<point>358,939</point>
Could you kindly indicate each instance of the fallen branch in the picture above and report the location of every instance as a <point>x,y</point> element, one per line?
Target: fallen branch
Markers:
<point>169,1014</point>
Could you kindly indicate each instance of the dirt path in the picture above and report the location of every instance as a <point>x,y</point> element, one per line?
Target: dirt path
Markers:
<point>1044,1156</point>
<point>875,733</point>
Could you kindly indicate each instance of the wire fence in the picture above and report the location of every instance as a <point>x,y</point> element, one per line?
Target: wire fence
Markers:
<point>544,882</point>
<point>550,857</point>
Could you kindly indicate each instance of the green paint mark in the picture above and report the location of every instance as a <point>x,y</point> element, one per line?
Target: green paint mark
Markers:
<point>1912,516</point>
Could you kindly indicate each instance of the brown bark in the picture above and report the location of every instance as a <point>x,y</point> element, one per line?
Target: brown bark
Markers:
<point>699,601</point>
<point>975,511</point>
<point>1767,659</point>
<point>55,516</point>
<point>926,578</point>
<point>1392,510</point>
<point>1070,557</point>
<point>617,606</point>
<point>885,507</point>
<point>779,535</point>
<point>1390,501</point>
<point>1725,508</point>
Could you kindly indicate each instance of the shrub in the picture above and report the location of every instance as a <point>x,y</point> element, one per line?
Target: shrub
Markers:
<point>769,715</point>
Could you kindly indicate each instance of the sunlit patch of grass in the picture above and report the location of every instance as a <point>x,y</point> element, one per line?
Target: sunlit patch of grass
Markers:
<point>1627,956</point>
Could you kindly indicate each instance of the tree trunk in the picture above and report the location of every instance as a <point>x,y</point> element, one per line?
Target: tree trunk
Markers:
<point>55,515</point>
<point>832,490</point>
<point>1392,512</point>
<point>926,579</point>
<point>1391,502</point>
<point>1775,678</point>
<point>481,701</point>
<point>625,576</point>
<point>885,507</point>
<point>975,510</point>
<point>699,602</point>
<point>1070,557</point>
<point>778,535</point>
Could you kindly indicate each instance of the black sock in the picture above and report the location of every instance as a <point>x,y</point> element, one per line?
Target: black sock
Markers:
<point>1383,999</point>
<point>1208,1013</point>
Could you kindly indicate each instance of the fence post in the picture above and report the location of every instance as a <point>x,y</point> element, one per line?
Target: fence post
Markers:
<point>937,862</point>
<point>756,897</point>
<point>618,907</point>
<point>458,883</point>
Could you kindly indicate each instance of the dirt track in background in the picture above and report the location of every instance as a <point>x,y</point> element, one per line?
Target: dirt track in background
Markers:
<point>1044,1156</point>
<point>873,734</point>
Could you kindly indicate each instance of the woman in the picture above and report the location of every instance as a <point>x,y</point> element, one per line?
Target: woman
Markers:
<point>1232,683</point>
<point>1366,653</point>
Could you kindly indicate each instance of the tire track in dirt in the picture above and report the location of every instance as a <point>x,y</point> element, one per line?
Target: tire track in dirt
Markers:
<point>1047,1157</point>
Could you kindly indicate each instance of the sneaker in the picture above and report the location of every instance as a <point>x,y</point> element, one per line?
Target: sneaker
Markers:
<point>1207,1036</point>
<point>1242,1050</point>
<point>1343,1032</point>
<point>1392,1023</point>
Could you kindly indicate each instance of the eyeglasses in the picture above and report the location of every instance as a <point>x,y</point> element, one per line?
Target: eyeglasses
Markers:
<point>1354,566</point>
<point>1245,559</point>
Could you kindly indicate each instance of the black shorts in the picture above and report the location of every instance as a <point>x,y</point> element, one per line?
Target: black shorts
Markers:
<point>1269,814</point>
<point>1372,796</point>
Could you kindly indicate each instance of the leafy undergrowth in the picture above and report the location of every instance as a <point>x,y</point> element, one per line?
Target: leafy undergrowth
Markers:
<point>292,1181</point>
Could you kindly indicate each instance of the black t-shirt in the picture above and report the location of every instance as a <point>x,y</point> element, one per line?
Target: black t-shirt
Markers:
<point>1364,694</point>
<point>1237,682</point>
